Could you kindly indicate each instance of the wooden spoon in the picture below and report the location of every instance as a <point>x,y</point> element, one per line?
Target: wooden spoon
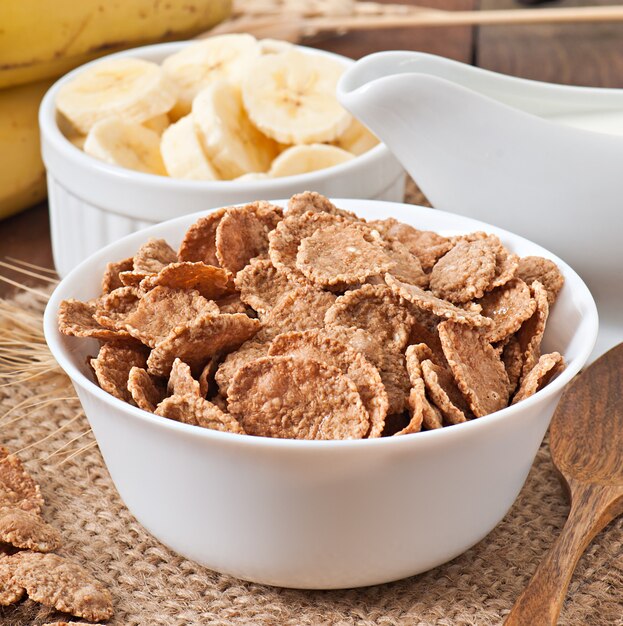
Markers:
<point>586,441</point>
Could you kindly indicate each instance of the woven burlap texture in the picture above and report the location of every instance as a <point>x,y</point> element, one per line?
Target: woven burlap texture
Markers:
<point>153,586</point>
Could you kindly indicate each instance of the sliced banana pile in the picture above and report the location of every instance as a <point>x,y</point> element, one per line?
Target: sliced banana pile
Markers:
<point>225,108</point>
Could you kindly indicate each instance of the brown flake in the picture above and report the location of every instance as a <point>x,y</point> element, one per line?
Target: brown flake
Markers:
<point>146,393</point>
<point>181,381</point>
<point>112,309</point>
<point>426,301</point>
<point>261,285</point>
<point>288,397</point>
<point>300,309</point>
<point>420,334</point>
<point>316,203</point>
<point>284,241</point>
<point>406,265</point>
<point>111,280</point>
<point>210,281</point>
<point>112,367</point>
<point>242,234</point>
<point>531,332</point>
<point>548,366</point>
<point>198,341</point>
<point>249,351</point>
<point>56,582</point>
<point>10,591</point>
<point>508,306</point>
<point>197,411</point>
<point>163,309</point>
<point>152,256</point>
<point>444,392</point>
<point>426,245</point>
<point>17,488</point>
<point>27,531</point>
<point>533,268</point>
<point>376,309</point>
<point>505,267</point>
<point>465,272</point>
<point>477,368</point>
<point>232,304</point>
<point>417,402</point>
<point>512,357</point>
<point>206,378</point>
<point>199,243</point>
<point>75,318</point>
<point>315,345</point>
<point>342,256</point>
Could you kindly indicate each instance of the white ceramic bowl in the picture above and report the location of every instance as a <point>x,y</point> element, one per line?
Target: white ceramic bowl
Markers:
<point>93,203</point>
<point>321,514</point>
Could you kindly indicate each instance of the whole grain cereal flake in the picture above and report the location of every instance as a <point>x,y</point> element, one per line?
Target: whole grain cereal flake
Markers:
<point>341,256</point>
<point>77,319</point>
<point>248,351</point>
<point>512,357</point>
<point>17,488</point>
<point>420,407</point>
<point>508,306</point>
<point>111,280</point>
<point>153,256</point>
<point>59,583</point>
<point>477,368</point>
<point>285,239</point>
<point>292,398</point>
<point>376,309</point>
<point>112,367</point>
<point>405,265</point>
<point>315,345</point>
<point>200,340</point>
<point>427,302</point>
<point>210,281</point>
<point>532,330</point>
<point>242,233</point>
<point>163,309</point>
<point>199,243</point>
<point>27,531</point>
<point>316,203</point>
<point>262,285</point>
<point>443,391</point>
<point>197,411</point>
<point>112,310</point>
<point>533,268</point>
<point>465,272</point>
<point>10,591</point>
<point>181,381</point>
<point>547,367</point>
<point>145,392</point>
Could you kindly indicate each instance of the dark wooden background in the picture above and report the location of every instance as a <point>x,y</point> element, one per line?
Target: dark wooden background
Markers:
<point>585,54</point>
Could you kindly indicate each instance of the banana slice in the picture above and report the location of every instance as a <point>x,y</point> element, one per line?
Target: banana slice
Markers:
<point>158,124</point>
<point>356,139</point>
<point>182,153</point>
<point>274,46</point>
<point>291,97</point>
<point>127,144</point>
<point>302,159</point>
<point>133,89</point>
<point>252,176</point>
<point>232,144</point>
<point>224,57</point>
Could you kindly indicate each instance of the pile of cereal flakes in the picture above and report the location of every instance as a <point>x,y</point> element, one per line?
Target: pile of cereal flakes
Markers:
<point>27,565</point>
<point>318,324</point>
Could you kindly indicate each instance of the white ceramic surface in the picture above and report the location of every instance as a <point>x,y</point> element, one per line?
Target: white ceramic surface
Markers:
<point>93,203</point>
<point>498,148</point>
<point>321,514</point>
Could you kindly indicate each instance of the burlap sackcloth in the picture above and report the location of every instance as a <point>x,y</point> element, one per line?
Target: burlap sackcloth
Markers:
<point>152,585</point>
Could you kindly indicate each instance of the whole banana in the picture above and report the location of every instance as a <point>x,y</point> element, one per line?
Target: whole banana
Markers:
<point>40,40</point>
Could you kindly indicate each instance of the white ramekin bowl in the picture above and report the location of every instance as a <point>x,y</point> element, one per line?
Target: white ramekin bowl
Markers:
<point>321,514</point>
<point>93,203</point>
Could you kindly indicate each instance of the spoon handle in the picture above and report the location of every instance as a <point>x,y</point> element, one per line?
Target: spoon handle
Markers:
<point>592,508</point>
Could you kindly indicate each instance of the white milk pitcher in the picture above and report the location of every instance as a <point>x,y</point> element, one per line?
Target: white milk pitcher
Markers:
<point>542,160</point>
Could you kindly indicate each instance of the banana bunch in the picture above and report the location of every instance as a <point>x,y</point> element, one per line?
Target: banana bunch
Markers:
<point>237,108</point>
<point>40,40</point>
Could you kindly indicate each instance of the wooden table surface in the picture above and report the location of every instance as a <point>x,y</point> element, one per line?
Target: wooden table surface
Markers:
<point>586,54</point>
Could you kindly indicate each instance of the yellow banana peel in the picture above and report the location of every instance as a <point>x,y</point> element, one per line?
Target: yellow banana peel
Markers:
<point>42,40</point>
